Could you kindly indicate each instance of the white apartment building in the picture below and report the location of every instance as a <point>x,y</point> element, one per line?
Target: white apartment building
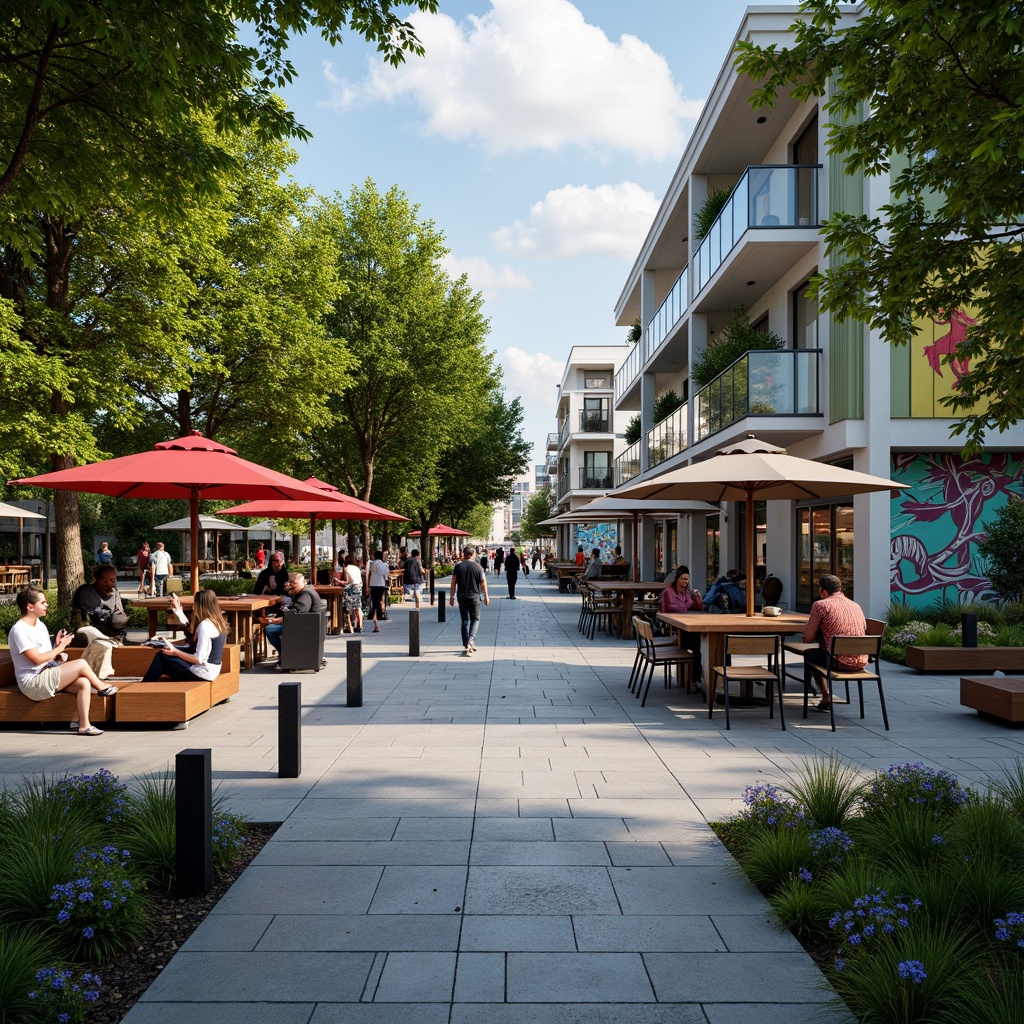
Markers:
<point>836,393</point>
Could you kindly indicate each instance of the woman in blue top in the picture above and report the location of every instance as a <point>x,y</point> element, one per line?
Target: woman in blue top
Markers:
<point>200,658</point>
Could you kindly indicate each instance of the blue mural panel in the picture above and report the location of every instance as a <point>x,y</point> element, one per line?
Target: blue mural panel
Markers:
<point>601,535</point>
<point>937,523</point>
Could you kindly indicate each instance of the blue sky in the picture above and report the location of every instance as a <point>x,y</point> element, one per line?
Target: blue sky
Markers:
<point>539,136</point>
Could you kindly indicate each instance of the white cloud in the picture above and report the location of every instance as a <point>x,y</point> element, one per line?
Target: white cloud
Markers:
<point>532,74</point>
<point>533,376</point>
<point>485,277</point>
<point>610,220</point>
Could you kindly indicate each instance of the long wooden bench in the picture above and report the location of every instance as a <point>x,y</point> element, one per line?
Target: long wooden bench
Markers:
<point>997,697</point>
<point>135,701</point>
<point>965,659</point>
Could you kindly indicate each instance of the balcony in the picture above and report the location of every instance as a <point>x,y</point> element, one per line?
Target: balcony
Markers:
<point>563,433</point>
<point>552,445</point>
<point>563,485</point>
<point>669,313</point>
<point>595,421</point>
<point>627,465</point>
<point>766,197</point>
<point>778,383</point>
<point>667,438</point>
<point>596,479</point>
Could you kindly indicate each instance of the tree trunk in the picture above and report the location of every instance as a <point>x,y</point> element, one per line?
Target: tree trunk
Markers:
<point>184,413</point>
<point>70,570</point>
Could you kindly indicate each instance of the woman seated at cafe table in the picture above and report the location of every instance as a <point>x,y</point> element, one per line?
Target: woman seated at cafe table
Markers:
<point>200,657</point>
<point>679,597</point>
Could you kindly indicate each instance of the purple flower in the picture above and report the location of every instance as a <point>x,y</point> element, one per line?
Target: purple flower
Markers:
<point>912,970</point>
<point>88,933</point>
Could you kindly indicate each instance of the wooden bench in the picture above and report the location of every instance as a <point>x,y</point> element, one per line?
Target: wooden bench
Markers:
<point>965,659</point>
<point>996,697</point>
<point>162,701</point>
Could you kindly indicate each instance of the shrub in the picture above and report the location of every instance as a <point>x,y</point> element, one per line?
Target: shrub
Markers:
<point>773,857</point>
<point>63,997</point>
<point>100,797</point>
<point>1002,548</point>
<point>800,907</point>
<point>904,783</point>
<point>738,337</point>
<point>100,911</point>
<point>709,211</point>
<point>22,950</point>
<point>633,430</point>
<point>1008,635</point>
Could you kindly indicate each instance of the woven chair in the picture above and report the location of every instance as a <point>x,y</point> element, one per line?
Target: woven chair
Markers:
<point>770,673</point>
<point>851,646</point>
<point>607,610</point>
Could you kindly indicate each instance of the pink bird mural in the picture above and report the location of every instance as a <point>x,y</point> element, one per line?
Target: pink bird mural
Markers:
<point>948,344</point>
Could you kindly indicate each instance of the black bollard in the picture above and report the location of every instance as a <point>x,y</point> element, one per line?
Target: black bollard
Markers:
<point>441,606</point>
<point>354,661</point>
<point>969,629</point>
<point>289,730</point>
<point>414,633</point>
<point>431,578</point>
<point>193,822</point>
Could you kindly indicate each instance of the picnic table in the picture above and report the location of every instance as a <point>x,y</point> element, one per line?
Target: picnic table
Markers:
<point>13,577</point>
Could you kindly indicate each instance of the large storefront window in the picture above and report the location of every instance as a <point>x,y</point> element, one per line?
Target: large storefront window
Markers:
<point>825,546</point>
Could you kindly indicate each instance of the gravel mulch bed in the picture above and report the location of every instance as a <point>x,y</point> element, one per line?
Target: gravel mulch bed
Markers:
<point>128,975</point>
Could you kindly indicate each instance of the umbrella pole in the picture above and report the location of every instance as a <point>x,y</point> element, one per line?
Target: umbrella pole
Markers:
<point>750,552</point>
<point>194,538</point>
<point>636,547</point>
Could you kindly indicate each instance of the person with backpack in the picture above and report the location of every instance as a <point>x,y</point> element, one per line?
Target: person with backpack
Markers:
<point>412,577</point>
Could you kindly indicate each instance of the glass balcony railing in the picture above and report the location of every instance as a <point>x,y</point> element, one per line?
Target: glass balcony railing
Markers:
<point>552,442</point>
<point>777,383</point>
<point>667,438</point>
<point>767,196</point>
<point>563,484</point>
<point>627,465</point>
<point>599,478</point>
<point>595,421</point>
<point>563,433</point>
<point>668,315</point>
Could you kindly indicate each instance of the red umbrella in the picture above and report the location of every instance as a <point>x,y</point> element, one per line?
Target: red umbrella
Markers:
<point>326,505</point>
<point>190,468</point>
<point>442,531</point>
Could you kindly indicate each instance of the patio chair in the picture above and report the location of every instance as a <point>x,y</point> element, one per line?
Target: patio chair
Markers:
<point>302,640</point>
<point>606,609</point>
<point>641,658</point>
<point>761,646</point>
<point>654,654</point>
<point>870,645</point>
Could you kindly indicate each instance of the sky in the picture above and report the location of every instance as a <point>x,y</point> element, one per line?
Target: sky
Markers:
<point>539,136</point>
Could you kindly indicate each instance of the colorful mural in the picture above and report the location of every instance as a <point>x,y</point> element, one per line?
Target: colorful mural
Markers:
<point>934,368</point>
<point>937,522</point>
<point>601,535</point>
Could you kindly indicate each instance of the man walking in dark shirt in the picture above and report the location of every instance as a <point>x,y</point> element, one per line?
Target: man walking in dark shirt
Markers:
<point>469,582</point>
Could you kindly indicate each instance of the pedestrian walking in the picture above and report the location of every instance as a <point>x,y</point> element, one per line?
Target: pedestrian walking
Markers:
<point>499,558</point>
<point>469,584</point>
<point>511,572</point>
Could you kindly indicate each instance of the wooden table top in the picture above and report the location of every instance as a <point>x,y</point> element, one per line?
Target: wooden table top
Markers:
<point>248,602</point>
<point>636,585</point>
<point>708,622</point>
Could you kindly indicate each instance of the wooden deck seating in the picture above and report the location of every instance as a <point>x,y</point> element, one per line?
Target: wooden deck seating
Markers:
<point>135,701</point>
<point>965,659</point>
<point>997,697</point>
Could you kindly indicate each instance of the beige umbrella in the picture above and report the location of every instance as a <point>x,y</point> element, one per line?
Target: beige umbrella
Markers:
<point>21,514</point>
<point>753,469</point>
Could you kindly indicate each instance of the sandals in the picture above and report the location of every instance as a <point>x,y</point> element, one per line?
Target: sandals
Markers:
<point>108,691</point>
<point>91,731</point>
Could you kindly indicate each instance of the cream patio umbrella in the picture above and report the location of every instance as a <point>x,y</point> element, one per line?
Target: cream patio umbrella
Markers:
<point>753,469</point>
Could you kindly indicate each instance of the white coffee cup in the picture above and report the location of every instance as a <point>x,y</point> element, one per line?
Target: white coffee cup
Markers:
<point>771,610</point>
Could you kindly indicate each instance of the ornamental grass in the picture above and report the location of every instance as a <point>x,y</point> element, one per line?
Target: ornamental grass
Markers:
<point>908,886</point>
<point>78,854</point>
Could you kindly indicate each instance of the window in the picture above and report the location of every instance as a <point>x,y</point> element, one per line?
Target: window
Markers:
<point>597,471</point>
<point>825,545</point>
<point>595,380</point>
<point>805,318</point>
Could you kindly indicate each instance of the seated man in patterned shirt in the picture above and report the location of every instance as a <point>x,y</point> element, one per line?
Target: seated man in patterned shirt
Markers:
<point>833,614</point>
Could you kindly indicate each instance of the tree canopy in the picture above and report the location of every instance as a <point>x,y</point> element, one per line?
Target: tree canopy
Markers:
<point>538,508</point>
<point>942,87</point>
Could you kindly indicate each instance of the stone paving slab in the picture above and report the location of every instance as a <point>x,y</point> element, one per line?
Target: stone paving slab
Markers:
<point>506,839</point>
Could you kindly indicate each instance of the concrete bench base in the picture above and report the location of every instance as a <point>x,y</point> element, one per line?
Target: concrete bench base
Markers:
<point>965,659</point>
<point>997,697</point>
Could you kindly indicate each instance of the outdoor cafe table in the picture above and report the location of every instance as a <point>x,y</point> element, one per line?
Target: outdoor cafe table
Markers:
<point>628,589</point>
<point>12,577</point>
<point>713,629</point>
<point>237,610</point>
<point>332,595</point>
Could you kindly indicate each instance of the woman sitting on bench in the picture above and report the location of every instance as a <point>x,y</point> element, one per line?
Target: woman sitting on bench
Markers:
<point>200,657</point>
<point>43,671</point>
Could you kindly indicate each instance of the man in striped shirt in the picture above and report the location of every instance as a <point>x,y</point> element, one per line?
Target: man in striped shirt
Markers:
<point>833,614</point>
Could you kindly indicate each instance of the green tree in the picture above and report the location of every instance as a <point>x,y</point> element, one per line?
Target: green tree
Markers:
<point>124,81</point>
<point>422,373</point>
<point>538,508</point>
<point>1003,548</point>
<point>942,86</point>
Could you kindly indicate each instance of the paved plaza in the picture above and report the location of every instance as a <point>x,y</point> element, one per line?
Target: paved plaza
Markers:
<point>508,838</point>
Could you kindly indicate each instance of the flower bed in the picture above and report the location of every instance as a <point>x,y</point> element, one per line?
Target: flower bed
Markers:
<point>907,888</point>
<point>939,625</point>
<point>82,857</point>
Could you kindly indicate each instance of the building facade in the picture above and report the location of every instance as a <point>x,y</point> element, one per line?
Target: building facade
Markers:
<point>716,264</point>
